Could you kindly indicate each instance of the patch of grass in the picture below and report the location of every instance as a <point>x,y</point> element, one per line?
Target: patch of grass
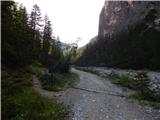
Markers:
<point>61,82</point>
<point>123,80</point>
<point>141,85</point>
<point>37,69</point>
<point>21,102</point>
<point>145,100</point>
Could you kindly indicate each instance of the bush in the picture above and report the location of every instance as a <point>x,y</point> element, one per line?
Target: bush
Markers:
<point>60,82</point>
<point>142,82</point>
<point>37,69</point>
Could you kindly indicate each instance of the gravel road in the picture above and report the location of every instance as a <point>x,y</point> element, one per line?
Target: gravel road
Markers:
<point>95,98</point>
<point>105,104</point>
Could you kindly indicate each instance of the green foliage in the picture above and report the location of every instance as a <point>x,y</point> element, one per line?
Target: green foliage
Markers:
<point>24,47</point>
<point>20,43</point>
<point>140,83</point>
<point>15,36</point>
<point>21,102</point>
<point>123,80</point>
<point>61,82</point>
<point>47,38</point>
<point>63,66</point>
<point>37,69</point>
<point>147,100</point>
<point>35,18</point>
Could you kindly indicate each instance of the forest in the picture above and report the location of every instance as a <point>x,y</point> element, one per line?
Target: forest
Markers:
<point>30,48</point>
<point>33,37</point>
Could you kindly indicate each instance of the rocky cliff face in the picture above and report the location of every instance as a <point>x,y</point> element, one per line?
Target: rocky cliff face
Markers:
<point>119,15</point>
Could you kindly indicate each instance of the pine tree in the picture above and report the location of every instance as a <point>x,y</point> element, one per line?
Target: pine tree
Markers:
<point>47,38</point>
<point>15,38</point>
<point>35,18</point>
<point>35,30</point>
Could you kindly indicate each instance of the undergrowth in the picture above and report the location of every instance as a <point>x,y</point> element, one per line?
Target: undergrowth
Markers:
<point>21,102</point>
<point>60,82</point>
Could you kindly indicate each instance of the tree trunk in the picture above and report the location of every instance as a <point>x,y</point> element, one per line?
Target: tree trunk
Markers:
<point>52,77</point>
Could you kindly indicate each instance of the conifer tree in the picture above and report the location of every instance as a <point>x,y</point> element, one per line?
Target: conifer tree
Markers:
<point>35,26</point>
<point>47,38</point>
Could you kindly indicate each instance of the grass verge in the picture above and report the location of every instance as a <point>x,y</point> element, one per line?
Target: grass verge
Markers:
<point>61,82</point>
<point>123,80</point>
<point>21,102</point>
<point>140,84</point>
<point>145,100</point>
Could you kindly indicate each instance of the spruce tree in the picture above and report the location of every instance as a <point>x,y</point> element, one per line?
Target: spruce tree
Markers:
<point>35,30</point>
<point>47,38</point>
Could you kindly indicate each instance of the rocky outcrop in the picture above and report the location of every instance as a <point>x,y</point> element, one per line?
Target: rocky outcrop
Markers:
<point>119,15</point>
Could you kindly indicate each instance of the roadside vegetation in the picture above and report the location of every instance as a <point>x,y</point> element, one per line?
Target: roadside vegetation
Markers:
<point>61,81</point>
<point>21,102</point>
<point>140,83</point>
<point>29,48</point>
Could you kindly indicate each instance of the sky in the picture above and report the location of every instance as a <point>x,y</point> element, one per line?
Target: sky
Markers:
<point>71,19</point>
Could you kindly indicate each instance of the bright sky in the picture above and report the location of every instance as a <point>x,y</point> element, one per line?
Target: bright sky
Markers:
<point>70,18</point>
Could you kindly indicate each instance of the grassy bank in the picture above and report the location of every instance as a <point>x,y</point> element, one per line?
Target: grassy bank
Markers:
<point>60,82</point>
<point>21,102</point>
<point>140,84</point>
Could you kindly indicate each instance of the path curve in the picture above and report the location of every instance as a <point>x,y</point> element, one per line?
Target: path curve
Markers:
<point>95,98</point>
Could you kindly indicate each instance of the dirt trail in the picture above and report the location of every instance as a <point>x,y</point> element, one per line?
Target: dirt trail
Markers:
<point>97,99</point>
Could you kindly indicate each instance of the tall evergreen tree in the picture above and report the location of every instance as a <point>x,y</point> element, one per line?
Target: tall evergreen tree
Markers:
<point>47,38</point>
<point>35,30</point>
<point>15,37</point>
<point>35,18</point>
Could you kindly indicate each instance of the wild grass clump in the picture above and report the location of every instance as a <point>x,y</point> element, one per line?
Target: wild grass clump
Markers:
<point>140,83</point>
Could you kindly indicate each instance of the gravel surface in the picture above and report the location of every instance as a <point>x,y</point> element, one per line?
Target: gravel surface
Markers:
<point>154,76</point>
<point>87,105</point>
<point>95,98</point>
